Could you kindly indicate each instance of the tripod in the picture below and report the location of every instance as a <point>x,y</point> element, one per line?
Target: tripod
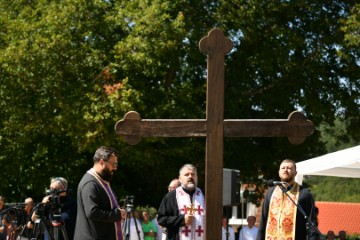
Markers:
<point>49,226</point>
<point>51,231</point>
<point>58,229</point>
<point>12,219</point>
<point>127,223</point>
<point>39,230</point>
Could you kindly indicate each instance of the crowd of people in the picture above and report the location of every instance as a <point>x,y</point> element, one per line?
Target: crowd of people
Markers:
<point>96,214</point>
<point>28,221</point>
<point>331,235</point>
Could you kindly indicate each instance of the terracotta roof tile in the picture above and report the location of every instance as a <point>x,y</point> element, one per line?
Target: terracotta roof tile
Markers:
<point>338,216</point>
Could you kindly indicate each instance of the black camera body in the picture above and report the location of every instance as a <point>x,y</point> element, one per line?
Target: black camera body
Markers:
<point>54,198</point>
<point>52,209</point>
<point>14,212</point>
<point>129,202</point>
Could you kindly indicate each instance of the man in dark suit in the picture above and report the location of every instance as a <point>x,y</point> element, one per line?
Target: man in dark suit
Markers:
<point>99,216</point>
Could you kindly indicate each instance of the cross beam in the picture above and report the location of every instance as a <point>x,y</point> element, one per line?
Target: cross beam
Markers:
<point>214,128</point>
<point>133,128</point>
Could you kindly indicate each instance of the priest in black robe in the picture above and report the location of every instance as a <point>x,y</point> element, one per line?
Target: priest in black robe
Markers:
<point>99,215</point>
<point>280,218</point>
<point>182,210</point>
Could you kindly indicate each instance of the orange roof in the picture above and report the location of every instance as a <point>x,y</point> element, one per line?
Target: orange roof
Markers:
<point>338,216</point>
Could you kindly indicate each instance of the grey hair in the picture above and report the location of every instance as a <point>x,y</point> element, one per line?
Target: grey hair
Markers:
<point>189,166</point>
<point>60,180</point>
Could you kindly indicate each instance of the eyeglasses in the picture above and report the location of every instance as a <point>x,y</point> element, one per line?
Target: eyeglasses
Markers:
<point>114,164</point>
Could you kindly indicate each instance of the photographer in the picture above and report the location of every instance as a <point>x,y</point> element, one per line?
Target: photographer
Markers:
<point>14,220</point>
<point>2,220</point>
<point>24,219</point>
<point>58,207</point>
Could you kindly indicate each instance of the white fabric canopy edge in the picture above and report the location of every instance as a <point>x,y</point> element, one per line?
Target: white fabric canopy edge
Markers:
<point>343,163</point>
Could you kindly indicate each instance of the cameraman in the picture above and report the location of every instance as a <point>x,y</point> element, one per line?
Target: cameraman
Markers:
<point>24,219</point>
<point>3,227</point>
<point>58,202</point>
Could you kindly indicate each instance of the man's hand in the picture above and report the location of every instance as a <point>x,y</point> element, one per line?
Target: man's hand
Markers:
<point>29,225</point>
<point>188,219</point>
<point>123,213</point>
<point>46,199</point>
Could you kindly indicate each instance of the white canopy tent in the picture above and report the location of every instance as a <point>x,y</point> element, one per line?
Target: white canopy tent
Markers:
<point>343,163</point>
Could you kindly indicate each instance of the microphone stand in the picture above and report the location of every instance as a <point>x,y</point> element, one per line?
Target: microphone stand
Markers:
<point>310,226</point>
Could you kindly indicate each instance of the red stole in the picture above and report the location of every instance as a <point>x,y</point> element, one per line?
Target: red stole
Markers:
<point>195,207</point>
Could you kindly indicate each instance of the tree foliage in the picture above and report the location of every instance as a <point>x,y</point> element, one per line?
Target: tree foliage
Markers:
<point>69,70</point>
<point>334,189</point>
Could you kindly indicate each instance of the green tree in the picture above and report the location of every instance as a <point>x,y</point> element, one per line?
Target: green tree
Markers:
<point>55,97</point>
<point>70,69</point>
<point>289,55</point>
<point>335,189</point>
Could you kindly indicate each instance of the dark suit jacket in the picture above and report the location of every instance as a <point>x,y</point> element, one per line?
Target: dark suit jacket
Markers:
<point>95,217</point>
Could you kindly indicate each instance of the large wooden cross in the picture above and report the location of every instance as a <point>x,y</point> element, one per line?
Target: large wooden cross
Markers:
<point>214,128</point>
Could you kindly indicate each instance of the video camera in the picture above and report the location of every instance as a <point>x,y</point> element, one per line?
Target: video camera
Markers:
<point>15,205</point>
<point>129,202</point>
<point>54,195</point>
<point>14,212</point>
<point>54,191</point>
<point>54,203</point>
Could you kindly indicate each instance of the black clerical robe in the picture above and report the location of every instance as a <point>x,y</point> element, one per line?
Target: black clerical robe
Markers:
<point>95,216</point>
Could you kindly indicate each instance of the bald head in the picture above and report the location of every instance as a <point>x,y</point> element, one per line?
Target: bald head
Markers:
<point>29,203</point>
<point>175,183</point>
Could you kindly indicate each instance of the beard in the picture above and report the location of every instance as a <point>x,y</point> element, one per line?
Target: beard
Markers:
<point>287,178</point>
<point>190,186</point>
<point>106,174</point>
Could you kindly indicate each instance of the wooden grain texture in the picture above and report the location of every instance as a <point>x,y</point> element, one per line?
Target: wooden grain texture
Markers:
<point>215,45</point>
<point>137,128</point>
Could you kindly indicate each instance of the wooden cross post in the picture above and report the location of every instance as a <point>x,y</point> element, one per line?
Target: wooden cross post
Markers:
<point>214,128</point>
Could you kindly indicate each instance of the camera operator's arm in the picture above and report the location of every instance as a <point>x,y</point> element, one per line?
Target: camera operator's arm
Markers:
<point>39,210</point>
<point>3,225</point>
<point>34,217</point>
<point>96,204</point>
<point>46,199</point>
<point>30,224</point>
